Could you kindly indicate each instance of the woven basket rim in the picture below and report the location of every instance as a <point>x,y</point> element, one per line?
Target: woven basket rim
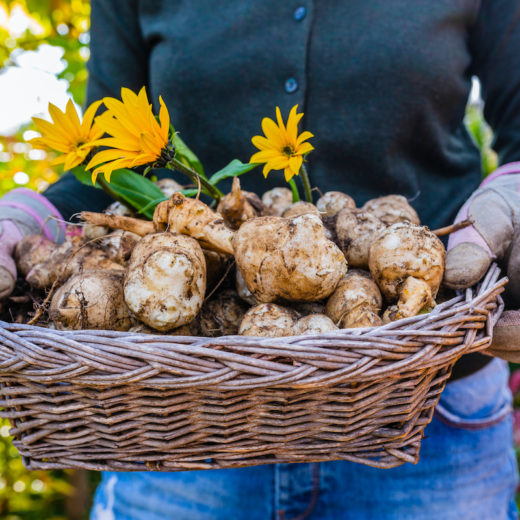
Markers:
<point>237,362</point>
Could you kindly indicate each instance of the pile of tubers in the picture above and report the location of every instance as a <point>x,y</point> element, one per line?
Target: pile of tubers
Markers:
<point>255,266</point>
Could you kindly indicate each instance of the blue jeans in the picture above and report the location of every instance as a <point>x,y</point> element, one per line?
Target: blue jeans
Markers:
<point>467,471</point>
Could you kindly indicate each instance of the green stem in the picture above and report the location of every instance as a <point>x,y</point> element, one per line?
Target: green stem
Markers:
<point>294,189</point>
<point>306,183</point>
<point>206,187</point>
<point>109,191</point>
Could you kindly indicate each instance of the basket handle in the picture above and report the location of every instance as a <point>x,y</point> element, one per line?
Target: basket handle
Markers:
<point>506,337</point>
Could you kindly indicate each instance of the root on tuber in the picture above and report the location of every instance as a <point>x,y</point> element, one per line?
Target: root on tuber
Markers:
<point>238,206</point>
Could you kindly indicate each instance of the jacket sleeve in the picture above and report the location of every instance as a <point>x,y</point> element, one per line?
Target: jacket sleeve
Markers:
<point>118,58</point>
<point>495,48</point>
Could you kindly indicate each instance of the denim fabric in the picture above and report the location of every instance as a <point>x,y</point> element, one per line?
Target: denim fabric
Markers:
<point>467,471</point>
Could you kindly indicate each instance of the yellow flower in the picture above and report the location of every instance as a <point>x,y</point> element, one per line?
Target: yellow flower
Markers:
<point>282,148</point>
<point>74,140</point>
<point>136,138</point>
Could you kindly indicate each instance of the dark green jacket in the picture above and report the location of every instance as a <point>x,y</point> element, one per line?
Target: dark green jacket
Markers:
<point>383,84</point>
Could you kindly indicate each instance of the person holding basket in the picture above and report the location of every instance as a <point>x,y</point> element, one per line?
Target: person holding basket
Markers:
<point>384,86</point>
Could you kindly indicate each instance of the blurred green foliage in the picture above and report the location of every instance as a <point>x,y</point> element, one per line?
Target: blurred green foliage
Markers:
<point>29,495</point>
<point>59,23</point>
<point>62,23</point>
<point>483,137</point>
<point>41,495</point>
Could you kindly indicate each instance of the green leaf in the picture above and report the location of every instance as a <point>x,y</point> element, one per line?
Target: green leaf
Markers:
<point>190,192</point>
<point>186,156</point>
<point>152,204</point>
<point>233,169</point>
<point>135,190</point>
<point>83,176</point>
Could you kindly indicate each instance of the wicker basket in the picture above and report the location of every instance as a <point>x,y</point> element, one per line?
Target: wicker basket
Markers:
<point>107,400</point>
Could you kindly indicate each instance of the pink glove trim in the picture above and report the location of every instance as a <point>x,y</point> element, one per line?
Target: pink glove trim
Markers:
<point>34,214</point>
<point>46,203</point>
<point>10,236</point>
<point>467,234</point>
<point>506,169</point>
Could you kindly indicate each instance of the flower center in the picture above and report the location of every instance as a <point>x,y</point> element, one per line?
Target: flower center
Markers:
<point>288,150</point>
<point>167,154</point>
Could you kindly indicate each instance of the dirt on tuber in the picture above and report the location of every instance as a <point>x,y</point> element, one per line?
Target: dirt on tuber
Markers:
<point>268,320</point>
<point>291,259</point>
<point>356,302</point>
<point>166,280</point>
<point>406,250</point>
<point>222,315</point>
<point>91,300</point>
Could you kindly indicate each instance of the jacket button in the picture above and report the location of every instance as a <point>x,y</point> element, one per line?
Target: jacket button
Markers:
<point>291,85</point>
<point>300,13</point>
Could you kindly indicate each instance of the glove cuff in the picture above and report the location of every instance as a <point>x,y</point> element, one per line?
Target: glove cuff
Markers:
<point>506,169</point>
<point>32,213</point>
<point>468,234</point>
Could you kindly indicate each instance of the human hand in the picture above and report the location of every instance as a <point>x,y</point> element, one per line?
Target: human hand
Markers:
<point>495,235</point>
<point>10,235</point>
<point>23,212</point>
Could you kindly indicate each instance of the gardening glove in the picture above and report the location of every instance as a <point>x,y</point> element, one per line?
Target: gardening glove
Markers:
<point>495,235</point>
<point>24,212</point>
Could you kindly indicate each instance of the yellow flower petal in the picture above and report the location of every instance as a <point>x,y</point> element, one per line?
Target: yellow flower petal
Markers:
<point>129,98</point>
<point>149,145</point>
<point>279,118</point>
<point>48,143</point>
<point>108,168</point>
<point>292,124</point>
<point>272,132</point>
<point>95,132</point>
<point>59,160</point>
<point>164,118</point>
<point>49,129</point>
<point>305,148</point>
<point>289,174</point>
<point>103,157</point>
<point>120,144</point>
<point>280,162</point>
<point>72,159</point>
<point>283,130</point>
<point>61,119</point>
<point>266,170</point>
<point>264,156</point>
<point>295,163</point>
<point>264,144</point>
<point>119,112</point>
<point>303,137</point>
<point>115,165</point>
<point>113,127</point>
<point>72,115</point>
<point>88,116</point>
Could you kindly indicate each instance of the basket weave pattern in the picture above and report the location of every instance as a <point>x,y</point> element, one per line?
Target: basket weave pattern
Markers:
<point>108,400</point>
